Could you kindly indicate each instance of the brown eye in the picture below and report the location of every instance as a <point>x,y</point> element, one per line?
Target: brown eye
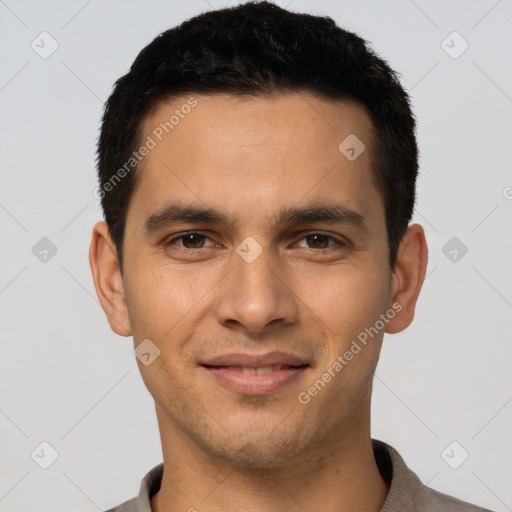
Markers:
<point>192,240</point>
<point>187,241</point>
<point>318,241</point>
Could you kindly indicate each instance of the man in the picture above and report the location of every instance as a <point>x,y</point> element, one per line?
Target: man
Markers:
<point>257,173</point>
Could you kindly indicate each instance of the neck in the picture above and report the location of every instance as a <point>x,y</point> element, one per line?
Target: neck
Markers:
<point>342,476</point>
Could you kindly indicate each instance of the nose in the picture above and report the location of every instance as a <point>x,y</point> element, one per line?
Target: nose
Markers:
<point>255,294</point>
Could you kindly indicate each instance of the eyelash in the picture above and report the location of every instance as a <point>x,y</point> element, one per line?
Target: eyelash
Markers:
<point>172,240</point>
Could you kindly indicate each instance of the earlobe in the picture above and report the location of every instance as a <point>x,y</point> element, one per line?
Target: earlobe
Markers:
<point>408,277</point>
<point>107,279</point>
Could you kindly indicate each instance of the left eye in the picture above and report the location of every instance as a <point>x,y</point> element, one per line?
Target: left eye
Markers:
<point>320,241</point>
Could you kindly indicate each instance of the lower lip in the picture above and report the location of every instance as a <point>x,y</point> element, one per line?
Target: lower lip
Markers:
<point>254,384</point>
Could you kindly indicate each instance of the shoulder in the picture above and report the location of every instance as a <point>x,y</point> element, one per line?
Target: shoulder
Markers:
<point>407,492</point>
<point>127,506</point>
<point>149,486</point>
<point>436,501</point>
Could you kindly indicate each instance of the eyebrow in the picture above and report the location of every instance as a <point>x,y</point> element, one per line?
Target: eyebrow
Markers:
<point>176,213</point>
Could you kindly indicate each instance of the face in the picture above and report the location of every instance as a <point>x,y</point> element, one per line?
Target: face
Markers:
<point>252,241</point>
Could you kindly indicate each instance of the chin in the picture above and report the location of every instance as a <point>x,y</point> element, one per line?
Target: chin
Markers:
<point>252,455</point>
<point>260,447</point>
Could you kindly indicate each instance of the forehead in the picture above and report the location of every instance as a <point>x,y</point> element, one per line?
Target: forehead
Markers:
<point>255,155</point>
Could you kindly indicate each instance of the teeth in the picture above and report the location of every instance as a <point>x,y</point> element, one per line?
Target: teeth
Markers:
<point>256,371</point>
<point>265,369</point>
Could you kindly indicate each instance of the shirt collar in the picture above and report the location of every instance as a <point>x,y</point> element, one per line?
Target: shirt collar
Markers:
<point>404,484</point>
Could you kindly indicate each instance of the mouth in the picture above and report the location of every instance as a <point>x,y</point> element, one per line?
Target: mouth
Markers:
<point>255,375</point>
<point>261,370</point>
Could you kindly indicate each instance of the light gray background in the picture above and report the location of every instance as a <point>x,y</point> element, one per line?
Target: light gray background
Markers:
<point>68,380</point>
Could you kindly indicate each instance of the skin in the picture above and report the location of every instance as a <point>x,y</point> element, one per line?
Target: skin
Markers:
<point>250,158</point>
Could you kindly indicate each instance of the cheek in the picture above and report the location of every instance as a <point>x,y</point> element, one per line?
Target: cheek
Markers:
<point>162,296</point>
<point>346,298</point>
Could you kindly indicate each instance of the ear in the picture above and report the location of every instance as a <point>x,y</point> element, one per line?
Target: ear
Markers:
<point>107,279</point>
<point>407,278</point>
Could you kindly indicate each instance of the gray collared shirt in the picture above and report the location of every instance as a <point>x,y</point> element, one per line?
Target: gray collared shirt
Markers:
<point>406,492</point>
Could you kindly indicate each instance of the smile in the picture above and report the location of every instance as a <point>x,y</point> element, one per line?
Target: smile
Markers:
<point>260,371</point>
<point>258,381</point>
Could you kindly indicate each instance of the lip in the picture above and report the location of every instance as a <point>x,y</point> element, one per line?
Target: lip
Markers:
<point>256,360</point>
<point>221,369</point>
<point>254,384</point>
